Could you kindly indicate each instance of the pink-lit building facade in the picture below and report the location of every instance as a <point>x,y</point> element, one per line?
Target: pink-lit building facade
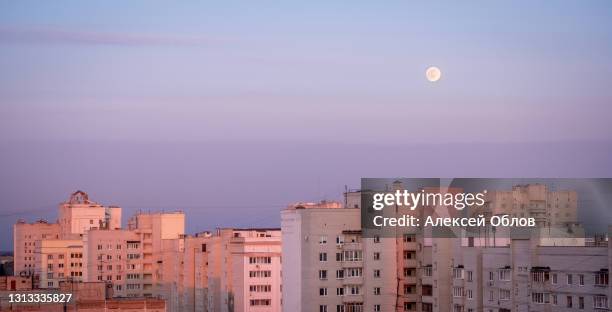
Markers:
<point>228,270</point>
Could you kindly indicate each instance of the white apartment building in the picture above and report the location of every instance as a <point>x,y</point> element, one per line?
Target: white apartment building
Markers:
<point>244,270</point>
<point>328,266</point>
<point>138,261</point>
<point>544,272</point>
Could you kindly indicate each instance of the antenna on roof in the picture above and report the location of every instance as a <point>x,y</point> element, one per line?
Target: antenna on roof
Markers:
<point>345,196</point>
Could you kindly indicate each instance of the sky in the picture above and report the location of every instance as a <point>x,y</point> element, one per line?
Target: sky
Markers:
<point>231,110</point>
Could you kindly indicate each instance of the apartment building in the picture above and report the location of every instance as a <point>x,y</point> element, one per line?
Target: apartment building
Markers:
<point>523,276</point>
<point>60,260</point>
<point>548,207</point>
<point>26,238</point>
<point>134,261</point>
<point>79,214</point>
<point>229,270</point>
<point>244,270</point>
<point>50,251</point>
<point>327,264</point>
<point>433,272</point>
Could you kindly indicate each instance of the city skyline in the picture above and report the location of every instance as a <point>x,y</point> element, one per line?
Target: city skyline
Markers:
<point>156,107</point>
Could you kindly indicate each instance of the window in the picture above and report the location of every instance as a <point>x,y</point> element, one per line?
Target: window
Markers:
<point>600,302</point>
<point>581,303</point>
<point>354,272</point>
<point>340,291</point>
<point>457,291</point>
<point>322,256</point>
<point>409,271</point>
<point>569,302</point>
<point>581,280</point>
<point>260,260</point>
<point>323,240</point>
<point>458,273</point>
<point>427,271</point>
<point>354,289</point>
<point>264,302</point>
<point>50,257</point>
<point>409,289</point>
<point>554,278</point>
<point>377,308</point>
<point>470,276</point>
<point>376,239</point>
<point>408,254</point>
<point>339,257</point>
<point>490,276</point>
<point>376,273</point>
<point>322,308</point>
<point>339,240</point>
<point>133,256</point>
<point>539,276</point>
<point>263,288</point>
<point>470,294</point>
<point>504,275</point>
<point>339,274</point>
<point>340,308</point>
<point>409,306</point>
<point>569,279</point>
<point>323,291</point>
<point>377,291</point>
<point>377,256</point>
<point>408,238</point>
<point>260,274</point>
<point>539,298</point>
<point>601,279</point>
<point>323,274</point>
<point>504,294</point>
<point>353,255</point>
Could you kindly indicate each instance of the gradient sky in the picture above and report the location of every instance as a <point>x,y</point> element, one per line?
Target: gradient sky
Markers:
<point>155,106</point>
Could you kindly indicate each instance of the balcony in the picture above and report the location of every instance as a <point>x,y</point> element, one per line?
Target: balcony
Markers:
<point>351,246</point>
<point>352,264</point>
<point>352,298</point>
<point>411,246</point>
<point>410,279</point>
<point>356,280</point>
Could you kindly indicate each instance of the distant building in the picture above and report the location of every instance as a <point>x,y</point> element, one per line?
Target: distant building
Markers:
<point>26,236</point>
<point>229,270</point>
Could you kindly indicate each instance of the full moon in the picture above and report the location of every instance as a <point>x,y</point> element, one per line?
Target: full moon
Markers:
<point>433,74</point>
